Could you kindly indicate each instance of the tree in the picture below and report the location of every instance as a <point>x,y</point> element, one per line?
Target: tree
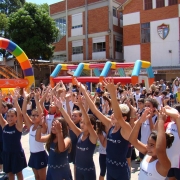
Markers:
<point>3,24</point>
<point>33,30</point>
<point>9,6</point>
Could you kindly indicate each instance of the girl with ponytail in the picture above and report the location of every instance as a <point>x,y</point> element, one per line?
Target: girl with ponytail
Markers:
<point>155,165</point>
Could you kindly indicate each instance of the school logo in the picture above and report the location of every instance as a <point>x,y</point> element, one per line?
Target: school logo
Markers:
<point>163,31</point>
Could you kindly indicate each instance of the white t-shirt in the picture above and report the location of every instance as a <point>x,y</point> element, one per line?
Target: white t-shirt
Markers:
<point>145,129</point>
<point>102,150</point>
<point>148,170</point>
<point>29,106</point>
<point>34,145</point>
<point>137,97</point>
<point>159,100</point>
<point>49,120</point>
<point>175,88</point>
<point>173,152</point>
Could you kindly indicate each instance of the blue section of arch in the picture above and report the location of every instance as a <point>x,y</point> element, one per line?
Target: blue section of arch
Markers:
<point>137,68</point>
<point>96,72</point>
<point>106,69</point>
<point>121,72</point>
<point>56,71</point>
<point>79,70</point>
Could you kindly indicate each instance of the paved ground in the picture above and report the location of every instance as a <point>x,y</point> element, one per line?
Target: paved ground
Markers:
<point>28,174</point>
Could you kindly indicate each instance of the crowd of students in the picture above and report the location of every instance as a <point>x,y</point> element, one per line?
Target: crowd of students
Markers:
<point>66,123</point>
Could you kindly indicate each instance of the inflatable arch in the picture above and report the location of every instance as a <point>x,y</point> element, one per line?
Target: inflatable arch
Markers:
<point>135,78</point>
<point>95,67</point>
<point>24,62</point>
<point>136,71</point>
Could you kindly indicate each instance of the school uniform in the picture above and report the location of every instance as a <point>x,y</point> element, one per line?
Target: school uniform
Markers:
<point>38,158</point>
<point>173,152</point>
<point>13,155</point>
<point>85,168</point>
<point>102,158</point>
<point>117,148</point>
<point>148,170</point>
<point>146,131</point>
<point>58,165</point>
<point>49,119</point>
<point>46,105</point>
<point>74,139</point>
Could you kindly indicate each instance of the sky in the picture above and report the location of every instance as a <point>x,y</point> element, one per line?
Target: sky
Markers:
<point>43,1</point>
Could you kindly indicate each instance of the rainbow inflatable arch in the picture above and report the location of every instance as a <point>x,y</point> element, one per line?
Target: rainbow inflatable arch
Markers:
<point>24,62</point>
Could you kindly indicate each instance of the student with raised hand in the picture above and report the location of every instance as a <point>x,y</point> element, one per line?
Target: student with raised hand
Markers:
<point>155,165</point>
<point>58,144</point>
<point>14,160</point>
<point>173,152</point>
<point>38,157</point>
<point>52,112</point>
<point>87,139</point>
<point>118,130</point>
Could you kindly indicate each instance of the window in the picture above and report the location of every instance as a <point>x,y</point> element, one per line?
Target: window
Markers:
<point>121,15</point>
<point>78,26</point>
<point>145,33</point>
<point>61,25</point>
<point>114,12</point>
<point>172,2</point>
<point>59,58</point>
<point>99,47</point>
<point>160,3</point>
<point>77,50</point>
<point>147,4</point>
<point>118,46</point>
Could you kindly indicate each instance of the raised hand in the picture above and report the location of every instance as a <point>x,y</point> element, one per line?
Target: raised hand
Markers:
<point>145,115</point>
<point>171,112</point>
<point>37,95</point>
<point>42,117</point>
<point>109,85</point>
<point>57,102</point>
<point>1,96</point>
<point>16,94</point>
<point>79,101</point>
<point>25,94</point>
<point>81,86</point>
<point>162,115</point>
<point>57,126</point>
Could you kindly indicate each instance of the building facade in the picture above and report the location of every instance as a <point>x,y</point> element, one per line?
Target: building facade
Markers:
<point>151,32</point>
<point>88,30</point>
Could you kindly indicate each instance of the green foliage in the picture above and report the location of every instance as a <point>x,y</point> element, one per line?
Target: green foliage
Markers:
<point>9,6</point>
<point>3,24</point>
<point>33,30</point>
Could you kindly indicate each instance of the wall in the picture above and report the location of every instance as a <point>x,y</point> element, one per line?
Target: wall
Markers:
<point>98,20</point>
<point>160,55</point>
<point>132,53</point>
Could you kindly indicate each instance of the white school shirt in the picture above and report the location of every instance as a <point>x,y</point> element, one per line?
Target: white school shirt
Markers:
<point>145,129</point>
<point>137,97</point>
<point>173,152</point>
<point>175,89</point>
<point>159,100</point>
<point>148,170</point>
<point>34,145</point>
<point>102,150</point>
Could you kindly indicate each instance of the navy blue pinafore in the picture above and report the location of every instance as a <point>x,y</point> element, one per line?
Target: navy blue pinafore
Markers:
<point>117,148</point>
<point>13,155</point>
<point>85,169</point>
<point>58,165</point>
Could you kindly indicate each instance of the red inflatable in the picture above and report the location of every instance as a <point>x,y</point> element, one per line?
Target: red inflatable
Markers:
<point>68,79</point>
